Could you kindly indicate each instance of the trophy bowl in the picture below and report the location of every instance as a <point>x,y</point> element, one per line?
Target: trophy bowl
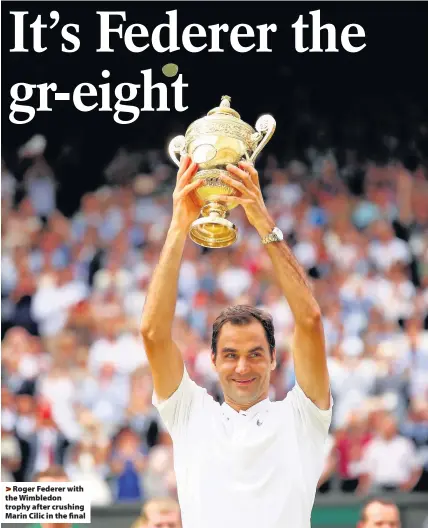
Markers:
<point>214,141</point>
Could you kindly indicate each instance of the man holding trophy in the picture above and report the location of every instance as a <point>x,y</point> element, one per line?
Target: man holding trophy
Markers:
<point>249,462</point>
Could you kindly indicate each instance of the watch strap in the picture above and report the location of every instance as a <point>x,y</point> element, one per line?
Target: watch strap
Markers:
<point>271,237</point>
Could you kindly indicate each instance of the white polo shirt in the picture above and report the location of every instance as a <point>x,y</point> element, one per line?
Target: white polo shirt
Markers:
<point>390,462</point>
<point>252,469</point>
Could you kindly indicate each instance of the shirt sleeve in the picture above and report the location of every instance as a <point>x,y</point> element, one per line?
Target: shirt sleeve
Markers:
<point>177,411</point>
<point>310,419</point>
<point>310,425</point>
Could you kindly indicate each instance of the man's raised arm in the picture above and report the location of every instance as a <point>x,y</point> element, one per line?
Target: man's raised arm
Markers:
<point>164,357</point>
<point>309,355</point>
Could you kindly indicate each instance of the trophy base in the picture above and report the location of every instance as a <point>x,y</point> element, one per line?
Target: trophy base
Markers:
<point>213,230</point>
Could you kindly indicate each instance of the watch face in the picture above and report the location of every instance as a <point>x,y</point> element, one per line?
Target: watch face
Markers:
<point>278,233</point>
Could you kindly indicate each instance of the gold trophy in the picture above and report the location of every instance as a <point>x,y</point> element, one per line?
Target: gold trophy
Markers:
<point>213,141</point>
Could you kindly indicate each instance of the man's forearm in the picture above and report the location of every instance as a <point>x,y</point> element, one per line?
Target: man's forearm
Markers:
<point>413,480</point>
<point>160,305</point>
<point>291,277</point>
<point>364,484</point>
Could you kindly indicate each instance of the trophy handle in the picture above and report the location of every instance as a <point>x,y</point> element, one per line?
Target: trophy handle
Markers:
<point>176,146</point>
<point>265,127</point>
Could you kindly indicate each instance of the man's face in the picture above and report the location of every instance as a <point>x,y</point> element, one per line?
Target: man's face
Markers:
<point>164,520</point>
<point>243,363</point>
<point>381,516</point>
<point>388,427</point>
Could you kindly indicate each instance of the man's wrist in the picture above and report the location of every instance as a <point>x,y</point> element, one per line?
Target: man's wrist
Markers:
<point>265,226</point>
<point>176,229</point>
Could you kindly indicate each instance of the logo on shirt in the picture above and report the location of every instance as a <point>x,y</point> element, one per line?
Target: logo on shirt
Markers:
<point>259,423</point>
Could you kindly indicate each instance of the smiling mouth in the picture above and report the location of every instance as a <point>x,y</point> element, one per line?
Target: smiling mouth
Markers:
<point>244,382</point>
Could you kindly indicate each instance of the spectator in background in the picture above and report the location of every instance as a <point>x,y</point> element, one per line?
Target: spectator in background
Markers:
<point>57,389</point>
<point>350,444</point>
<point>390,461</point>
<point>352,376</point>
<point>380,513</point>
<point>40,182</point>
<point>53,473</point>
<point>411,356</point>
<point>88,465</point>
<point>8,409</point>
<point>47,445</point>
<point>10,455</point>
<point>21,227</point>
<point>416,429</point>
<point>160,475</point>
<point>160,513</point>
<point>385,248</point>
<point>22,297</point>
<point>106,395</point>
<point>25,426</point>
<point>127,464</point>
<point>140,415</point>
<point>22,360</point>
<point>56,294</point>
<point>118,345</point>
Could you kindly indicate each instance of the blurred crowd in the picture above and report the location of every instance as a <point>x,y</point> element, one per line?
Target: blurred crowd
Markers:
<point>76,389</point>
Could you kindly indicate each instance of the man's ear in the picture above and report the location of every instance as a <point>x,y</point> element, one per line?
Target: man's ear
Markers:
<point>273,361</point>
<point>213,359</point>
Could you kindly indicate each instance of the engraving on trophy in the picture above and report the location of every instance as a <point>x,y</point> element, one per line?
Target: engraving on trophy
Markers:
<point>239,131</point>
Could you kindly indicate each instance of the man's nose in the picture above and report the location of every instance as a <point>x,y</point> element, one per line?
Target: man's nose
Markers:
<point>242,366</point>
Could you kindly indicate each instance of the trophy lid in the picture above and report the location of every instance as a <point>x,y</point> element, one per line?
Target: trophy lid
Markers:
<point>224,108</point>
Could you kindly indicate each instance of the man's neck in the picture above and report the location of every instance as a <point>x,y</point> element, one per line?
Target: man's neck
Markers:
<point>244,407</point>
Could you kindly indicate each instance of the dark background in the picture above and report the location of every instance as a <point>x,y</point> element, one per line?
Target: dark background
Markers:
<point>340,89</point>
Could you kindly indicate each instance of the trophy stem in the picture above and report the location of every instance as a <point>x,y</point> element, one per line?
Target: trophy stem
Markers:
<point>215,209</point>
<point>212,229</point>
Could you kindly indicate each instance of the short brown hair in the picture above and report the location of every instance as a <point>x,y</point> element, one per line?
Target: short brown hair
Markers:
<point>243,314</point>
<point>51,472</point>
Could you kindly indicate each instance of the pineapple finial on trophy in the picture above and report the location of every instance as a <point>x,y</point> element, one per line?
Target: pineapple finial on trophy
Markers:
<point>225,101</point>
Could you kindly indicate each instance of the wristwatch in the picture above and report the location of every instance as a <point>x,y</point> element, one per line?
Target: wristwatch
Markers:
<point>274,236</point>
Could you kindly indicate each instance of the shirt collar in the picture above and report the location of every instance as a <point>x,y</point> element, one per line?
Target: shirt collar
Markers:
<point>256,409</point>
